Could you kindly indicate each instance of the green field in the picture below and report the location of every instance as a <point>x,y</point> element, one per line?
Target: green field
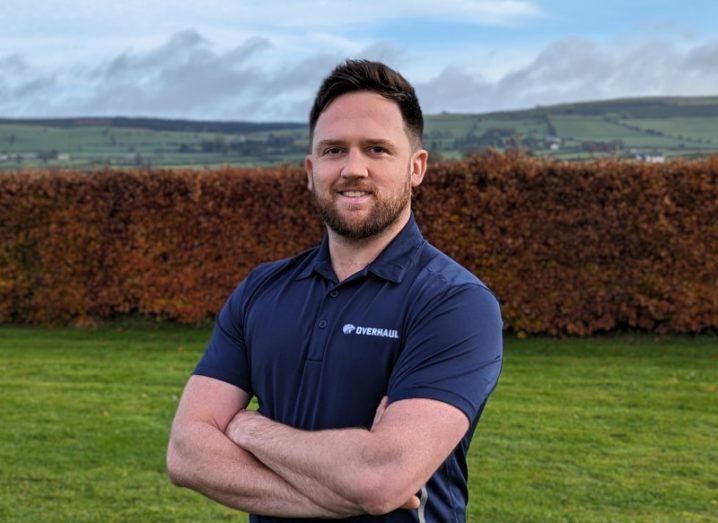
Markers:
<point>614,428</point>
<point>623,128</point>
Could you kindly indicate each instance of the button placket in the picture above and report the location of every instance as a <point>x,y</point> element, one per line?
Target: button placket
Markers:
<point>321,333</point>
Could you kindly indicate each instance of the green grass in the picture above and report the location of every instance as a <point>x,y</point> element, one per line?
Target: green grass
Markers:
<point>693,128</point>
<point>616,428</point>
<point>670,126</point>
<point>591,128</point>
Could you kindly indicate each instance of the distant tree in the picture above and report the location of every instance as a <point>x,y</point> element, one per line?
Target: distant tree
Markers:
<point>48,155</point>
<point>11,139</point>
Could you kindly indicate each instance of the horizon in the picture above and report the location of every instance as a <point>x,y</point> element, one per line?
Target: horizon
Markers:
<point>305,121</point>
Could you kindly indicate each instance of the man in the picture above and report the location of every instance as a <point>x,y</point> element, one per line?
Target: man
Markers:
<point>371,356</point>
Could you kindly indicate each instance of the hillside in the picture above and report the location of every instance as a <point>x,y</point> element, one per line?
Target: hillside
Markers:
<point>650,128</point>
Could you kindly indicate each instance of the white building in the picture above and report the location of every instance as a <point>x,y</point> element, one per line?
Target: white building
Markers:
<point>650,157</point>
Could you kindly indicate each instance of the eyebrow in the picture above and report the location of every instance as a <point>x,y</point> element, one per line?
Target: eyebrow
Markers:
<point>370,141</point>
<point>326,143</point>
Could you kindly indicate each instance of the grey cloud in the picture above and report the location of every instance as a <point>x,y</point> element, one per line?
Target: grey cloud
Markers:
<point>34,87</point>
<point>304,74</point>
<point>289,92</point>
<point>572,67</point>
<point>12,63</point>
<point>187,77</point>
<point>452,90</point>
<point>577,69</point>
<point>385,52</point>
<point>20,85</point>
<point>704,58</point>
<point>182,77</point>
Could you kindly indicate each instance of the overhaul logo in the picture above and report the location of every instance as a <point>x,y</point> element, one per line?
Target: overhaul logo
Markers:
<point>370,331</point>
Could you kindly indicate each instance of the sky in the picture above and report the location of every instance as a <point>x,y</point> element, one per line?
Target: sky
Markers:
<point>264,60</point>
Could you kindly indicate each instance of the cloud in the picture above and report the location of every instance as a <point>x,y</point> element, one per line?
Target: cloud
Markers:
<point>21,87</point>
<point>576,69</point>
<point>452,90</point>
<point>13,63</point>
<point>703,58</point>
<point>184,77</point>
<point>187,76</point>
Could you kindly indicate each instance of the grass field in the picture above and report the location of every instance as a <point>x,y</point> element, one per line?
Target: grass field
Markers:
<point>615,428</point>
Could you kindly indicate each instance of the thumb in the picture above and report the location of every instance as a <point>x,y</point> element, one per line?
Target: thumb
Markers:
<point>412,504</point>
<point>380,411</point>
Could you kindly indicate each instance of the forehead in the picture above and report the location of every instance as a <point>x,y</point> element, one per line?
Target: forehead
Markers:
<point>361,115</point>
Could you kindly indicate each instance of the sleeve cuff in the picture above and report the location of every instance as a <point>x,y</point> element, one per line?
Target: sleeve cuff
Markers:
<point>436,394</point>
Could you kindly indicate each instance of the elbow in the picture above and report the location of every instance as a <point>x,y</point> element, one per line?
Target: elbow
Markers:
<point>378,507</point>
<point>176,471</point>
<point>381,493</point>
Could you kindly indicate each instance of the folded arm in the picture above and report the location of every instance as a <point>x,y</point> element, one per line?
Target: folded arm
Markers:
<point>377,470</point>
<point>201,457</point>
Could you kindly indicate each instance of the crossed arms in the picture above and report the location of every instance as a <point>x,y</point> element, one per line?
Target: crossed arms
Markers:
<point>248,462</point>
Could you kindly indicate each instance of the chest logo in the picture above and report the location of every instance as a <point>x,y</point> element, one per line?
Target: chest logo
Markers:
<point>370,331</point>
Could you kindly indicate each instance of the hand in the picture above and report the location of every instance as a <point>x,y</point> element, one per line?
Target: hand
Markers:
<point>242,424</point>
<point>245,422</point>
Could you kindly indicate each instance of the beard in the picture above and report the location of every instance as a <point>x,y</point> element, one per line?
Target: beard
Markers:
<point>383,214</point>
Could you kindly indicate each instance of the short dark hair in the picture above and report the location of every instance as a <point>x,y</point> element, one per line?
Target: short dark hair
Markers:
<point>364,75</point>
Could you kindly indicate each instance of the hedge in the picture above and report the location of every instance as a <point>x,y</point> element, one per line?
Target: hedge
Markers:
<point>568,248</point>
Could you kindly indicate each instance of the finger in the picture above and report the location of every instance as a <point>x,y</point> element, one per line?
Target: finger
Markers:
<point>412,503</point>
<point>380,411</point>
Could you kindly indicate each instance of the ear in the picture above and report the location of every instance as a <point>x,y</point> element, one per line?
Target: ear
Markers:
<point>419,161</point>
<point>308,168</point>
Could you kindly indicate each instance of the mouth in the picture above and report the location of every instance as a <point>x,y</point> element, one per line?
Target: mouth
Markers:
<point>354,194</point>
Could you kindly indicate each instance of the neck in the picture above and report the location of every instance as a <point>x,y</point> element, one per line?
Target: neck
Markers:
<point>351,256</point>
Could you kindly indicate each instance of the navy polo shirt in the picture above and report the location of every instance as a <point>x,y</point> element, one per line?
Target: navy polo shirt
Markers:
<point>320,354</point>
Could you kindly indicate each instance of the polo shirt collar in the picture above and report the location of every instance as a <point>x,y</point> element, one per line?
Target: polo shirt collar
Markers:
<point>390,265</point>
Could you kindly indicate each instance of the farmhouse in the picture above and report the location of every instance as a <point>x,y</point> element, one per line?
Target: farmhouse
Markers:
<point>650,157</point>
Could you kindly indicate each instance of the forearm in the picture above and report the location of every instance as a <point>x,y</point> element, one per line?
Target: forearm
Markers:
<point>202,458</point>
<point>333,465</point>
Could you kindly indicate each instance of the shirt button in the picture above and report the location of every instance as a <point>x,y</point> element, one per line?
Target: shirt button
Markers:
<point>334,293</point>
<point>322,324</point>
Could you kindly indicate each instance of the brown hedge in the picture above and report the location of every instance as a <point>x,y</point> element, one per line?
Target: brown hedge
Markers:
<point>567,248</point>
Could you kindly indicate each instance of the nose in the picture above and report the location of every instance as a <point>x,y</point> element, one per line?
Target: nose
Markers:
<point>355,165</point>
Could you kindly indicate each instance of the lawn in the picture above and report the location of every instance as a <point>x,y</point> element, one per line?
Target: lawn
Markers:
<point>615,428</point>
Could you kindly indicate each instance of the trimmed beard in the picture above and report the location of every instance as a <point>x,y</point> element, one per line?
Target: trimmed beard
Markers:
<point>384,214</point>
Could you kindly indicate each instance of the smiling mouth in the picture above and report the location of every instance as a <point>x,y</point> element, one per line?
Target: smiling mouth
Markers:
<point>354,194</point>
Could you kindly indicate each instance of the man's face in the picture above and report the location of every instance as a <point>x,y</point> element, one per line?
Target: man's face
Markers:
<point>362,166</point>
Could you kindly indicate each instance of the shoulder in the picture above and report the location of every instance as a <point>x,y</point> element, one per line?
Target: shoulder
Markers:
<point>441,280</point>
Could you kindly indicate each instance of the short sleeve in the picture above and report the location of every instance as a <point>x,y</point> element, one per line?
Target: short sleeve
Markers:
<point>453,351</point>
<point>225,357</point>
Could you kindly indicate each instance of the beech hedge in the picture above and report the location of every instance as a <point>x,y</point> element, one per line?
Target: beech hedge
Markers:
<point>568,248</point>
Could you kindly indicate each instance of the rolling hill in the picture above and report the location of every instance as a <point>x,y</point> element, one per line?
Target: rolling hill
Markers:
<point>647,128</point>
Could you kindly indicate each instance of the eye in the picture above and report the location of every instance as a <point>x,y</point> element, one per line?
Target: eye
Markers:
<point>378,149</point>
<point>332,151</point>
